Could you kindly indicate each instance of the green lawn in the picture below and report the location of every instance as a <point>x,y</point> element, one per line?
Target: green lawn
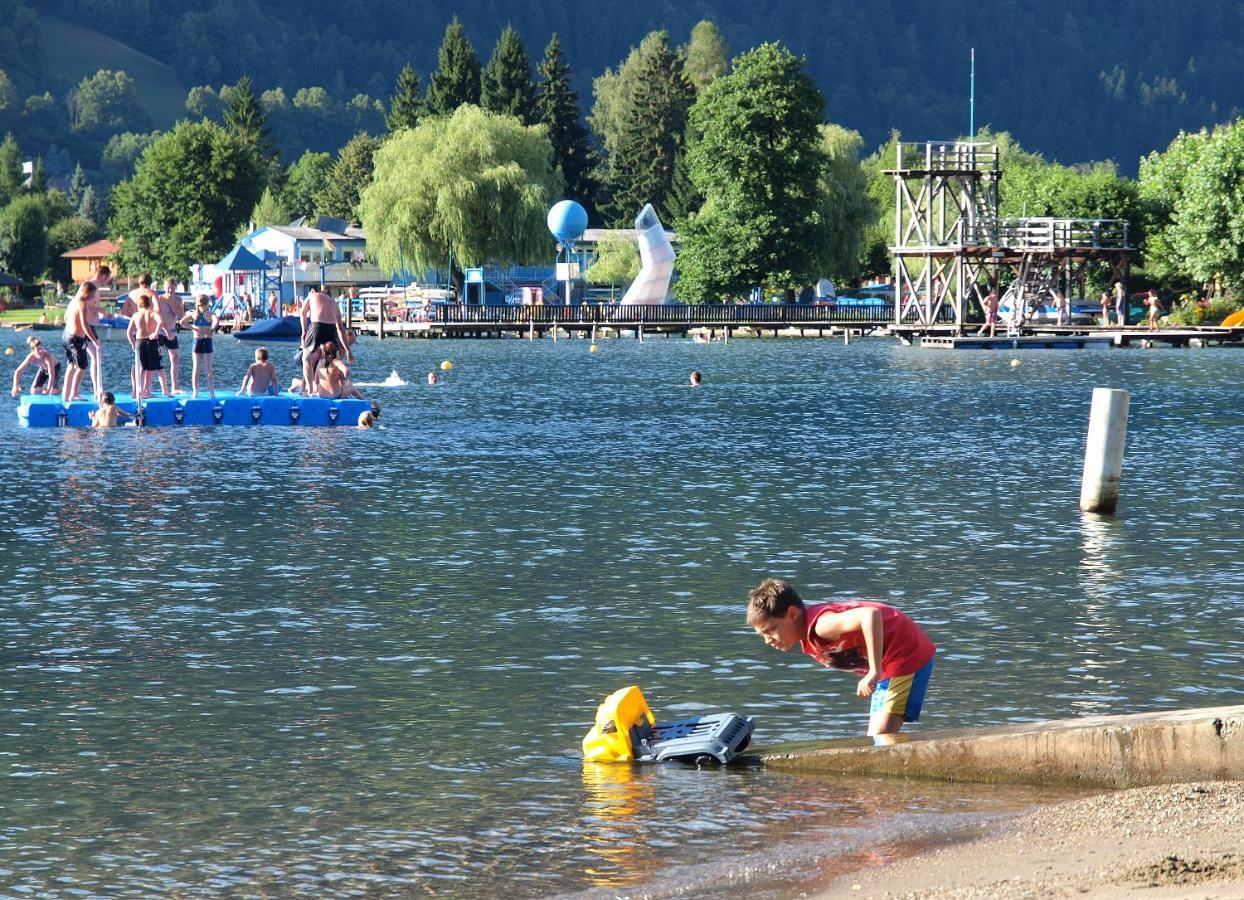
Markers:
<point>75,53</point>
<point>18,316</point>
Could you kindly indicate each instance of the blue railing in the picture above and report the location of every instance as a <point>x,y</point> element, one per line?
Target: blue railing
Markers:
<point>762,314</point>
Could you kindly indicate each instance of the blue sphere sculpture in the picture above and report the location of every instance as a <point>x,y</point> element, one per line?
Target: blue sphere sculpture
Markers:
<point>567,220</point>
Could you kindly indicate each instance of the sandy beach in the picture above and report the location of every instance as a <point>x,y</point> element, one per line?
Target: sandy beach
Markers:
<point>1183,840</point>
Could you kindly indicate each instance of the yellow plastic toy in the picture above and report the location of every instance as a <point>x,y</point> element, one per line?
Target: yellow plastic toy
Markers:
<point>610,738</point>
<point>1235,320</point>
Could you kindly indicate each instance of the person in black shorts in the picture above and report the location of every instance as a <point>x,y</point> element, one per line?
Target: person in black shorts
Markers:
<point>49,369</point>
<point>143,333</point>
<point>203,322</point>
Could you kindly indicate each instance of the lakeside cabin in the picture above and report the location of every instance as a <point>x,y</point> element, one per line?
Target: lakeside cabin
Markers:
<point>306,251</point>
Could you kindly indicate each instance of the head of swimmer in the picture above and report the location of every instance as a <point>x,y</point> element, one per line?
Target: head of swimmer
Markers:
<point>107,398</point>
<point>776,613</point>
<point>261,354</point>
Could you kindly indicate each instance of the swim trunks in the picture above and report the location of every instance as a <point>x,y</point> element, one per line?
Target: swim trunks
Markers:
<point>149,355</point>
<point>322,333</point>
<point>75,351</point>
<point>169,343</point>
<point>902,695</point>
<point>41,379</point>
<point>203,345</point>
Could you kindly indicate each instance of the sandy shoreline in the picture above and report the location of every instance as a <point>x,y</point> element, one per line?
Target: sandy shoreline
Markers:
<point>1168,841</point>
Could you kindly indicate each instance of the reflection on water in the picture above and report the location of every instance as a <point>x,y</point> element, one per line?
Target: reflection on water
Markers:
<point>327,661</point>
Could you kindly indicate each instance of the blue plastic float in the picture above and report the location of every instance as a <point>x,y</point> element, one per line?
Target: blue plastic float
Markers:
<point>39,411</point>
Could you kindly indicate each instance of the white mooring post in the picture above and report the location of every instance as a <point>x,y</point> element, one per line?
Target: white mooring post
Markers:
<point>1103,452</point>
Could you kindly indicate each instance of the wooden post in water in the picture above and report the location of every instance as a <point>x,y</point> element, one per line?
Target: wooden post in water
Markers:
<point>1103,452</point>
<point>381,317</point>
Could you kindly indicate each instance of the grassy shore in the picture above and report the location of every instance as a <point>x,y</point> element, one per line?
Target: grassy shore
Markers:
<point>1184,840</point>
<point>11,317</point>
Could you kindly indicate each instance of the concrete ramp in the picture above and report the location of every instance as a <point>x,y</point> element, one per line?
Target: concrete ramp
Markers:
<point>1108,751</point>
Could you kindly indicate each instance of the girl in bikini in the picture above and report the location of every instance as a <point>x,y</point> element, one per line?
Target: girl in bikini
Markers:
<point>203,323</point>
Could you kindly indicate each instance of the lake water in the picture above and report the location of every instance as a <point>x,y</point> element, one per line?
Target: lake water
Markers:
<point>319,661</point>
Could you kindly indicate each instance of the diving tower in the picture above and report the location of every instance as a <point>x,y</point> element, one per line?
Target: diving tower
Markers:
<point>950,245</point>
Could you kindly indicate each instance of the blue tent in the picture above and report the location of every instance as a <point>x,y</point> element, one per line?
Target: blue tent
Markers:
<point>239,259</point>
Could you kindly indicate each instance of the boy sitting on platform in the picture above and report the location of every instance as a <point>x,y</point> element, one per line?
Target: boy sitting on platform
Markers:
<point>108,413</point>
<point>871,639</point>
<point>260,376</point>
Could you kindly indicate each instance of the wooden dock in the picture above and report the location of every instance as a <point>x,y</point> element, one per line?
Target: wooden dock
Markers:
<point>1066,337</point>
<point>1025,342</point>
<point>477,321</point>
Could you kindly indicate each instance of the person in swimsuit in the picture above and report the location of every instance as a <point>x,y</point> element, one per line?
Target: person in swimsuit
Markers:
<point>1105,309</point>
<point>143,334</point>
<point>77,339</point>
<point>96,350</point>
<point>320,318</point>
<point>168,306</point>
<point>991,314</point>
<point>1120,303</point>
<point>48,375</point>
<point>203,322</point>
<point>333,376</point>
<point>1155,307</point>
<point>108,414</point>
<point>260,376</point>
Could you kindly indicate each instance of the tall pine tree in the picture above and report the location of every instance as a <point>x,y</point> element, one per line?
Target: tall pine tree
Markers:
<point>506,83</point>
<point>406,108</point>
<point>652,120</point>
<point>456,81</point>
<point>557,107</point>
<point>77,184</point>
<point>11,176</point>
<point>245,117</point>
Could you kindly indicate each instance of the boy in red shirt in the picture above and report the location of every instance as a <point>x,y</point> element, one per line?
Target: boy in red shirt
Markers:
<point>869,638</point>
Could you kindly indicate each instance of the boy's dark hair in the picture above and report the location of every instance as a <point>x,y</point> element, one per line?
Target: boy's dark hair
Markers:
<point>262,353</point>
<point>145,279</point>
<point>108,398</point>
<point>771,599</point>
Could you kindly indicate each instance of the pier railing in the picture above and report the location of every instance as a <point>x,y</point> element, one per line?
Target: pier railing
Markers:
<point>691,315</point>
<point>1047,234</point>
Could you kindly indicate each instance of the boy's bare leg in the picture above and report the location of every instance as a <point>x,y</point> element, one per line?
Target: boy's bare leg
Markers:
<point>884,723</point>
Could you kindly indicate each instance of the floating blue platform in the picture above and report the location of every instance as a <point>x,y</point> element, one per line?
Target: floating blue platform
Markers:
<point>36,411</point>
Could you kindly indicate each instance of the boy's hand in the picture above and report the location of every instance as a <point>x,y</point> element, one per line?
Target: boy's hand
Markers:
<point>867,684</point>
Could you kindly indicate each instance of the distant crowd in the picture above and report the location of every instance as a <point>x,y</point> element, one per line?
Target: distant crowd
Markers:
<point>152,332</point>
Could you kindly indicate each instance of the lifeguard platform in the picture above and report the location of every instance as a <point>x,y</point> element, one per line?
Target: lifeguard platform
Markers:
<point>951,246</point>
<point>37,411</point>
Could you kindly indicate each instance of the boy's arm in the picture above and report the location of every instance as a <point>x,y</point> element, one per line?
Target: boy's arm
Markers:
<point>866,619</point>
<point>17,387</point>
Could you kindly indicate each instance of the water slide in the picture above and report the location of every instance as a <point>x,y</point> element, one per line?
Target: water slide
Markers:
<point>656,257</point>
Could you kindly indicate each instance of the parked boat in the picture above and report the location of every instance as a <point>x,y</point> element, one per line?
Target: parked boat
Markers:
<point>283,330</point>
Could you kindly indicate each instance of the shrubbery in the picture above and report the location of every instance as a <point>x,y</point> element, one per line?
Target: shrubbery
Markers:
<point>1190,310</point>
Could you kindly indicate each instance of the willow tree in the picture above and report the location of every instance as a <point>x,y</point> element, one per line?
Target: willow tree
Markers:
<point>472,187</point>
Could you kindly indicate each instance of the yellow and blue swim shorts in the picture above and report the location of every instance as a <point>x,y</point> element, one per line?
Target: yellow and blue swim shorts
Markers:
<point>902,695</point>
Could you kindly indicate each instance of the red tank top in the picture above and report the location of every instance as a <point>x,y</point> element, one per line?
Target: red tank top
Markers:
<point>905,648</point>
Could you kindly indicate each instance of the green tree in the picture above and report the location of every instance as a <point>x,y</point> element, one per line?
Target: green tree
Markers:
<point>474,184</point>
<point>707,56</point>
<point>122,152</point>
<point>23,238</point>
<point>406,106</point>
<point>505,86</point>
<point>1207,232</point>
<point>1162,188</point>
<point>457,80</point>
<point>11,175</point>
<point>845,202</point>
<point>348,178</point>
<point>244,117</point>
<point>203,102</point>
<point>8,94</point>
<point>89,207</point>
<point>69,234</point>
<point>107,101</point>
<point>557,108</point>
<point>190,191</point>
<point>77,184</point>
<point>617,262</point>
<point>38,177</point>
<point>651,120</point>
<point>303,180</point>
<point>270,210</point>
<point>757,157</point>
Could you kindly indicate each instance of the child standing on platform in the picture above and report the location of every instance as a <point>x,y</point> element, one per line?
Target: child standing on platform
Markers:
<point>203,323</point>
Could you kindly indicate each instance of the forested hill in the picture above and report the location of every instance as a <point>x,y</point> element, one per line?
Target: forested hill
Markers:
<point>1073,79</point>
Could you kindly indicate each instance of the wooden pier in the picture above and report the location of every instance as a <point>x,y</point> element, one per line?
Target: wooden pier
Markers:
<point>1054,337</point>
<point>724,319</point>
